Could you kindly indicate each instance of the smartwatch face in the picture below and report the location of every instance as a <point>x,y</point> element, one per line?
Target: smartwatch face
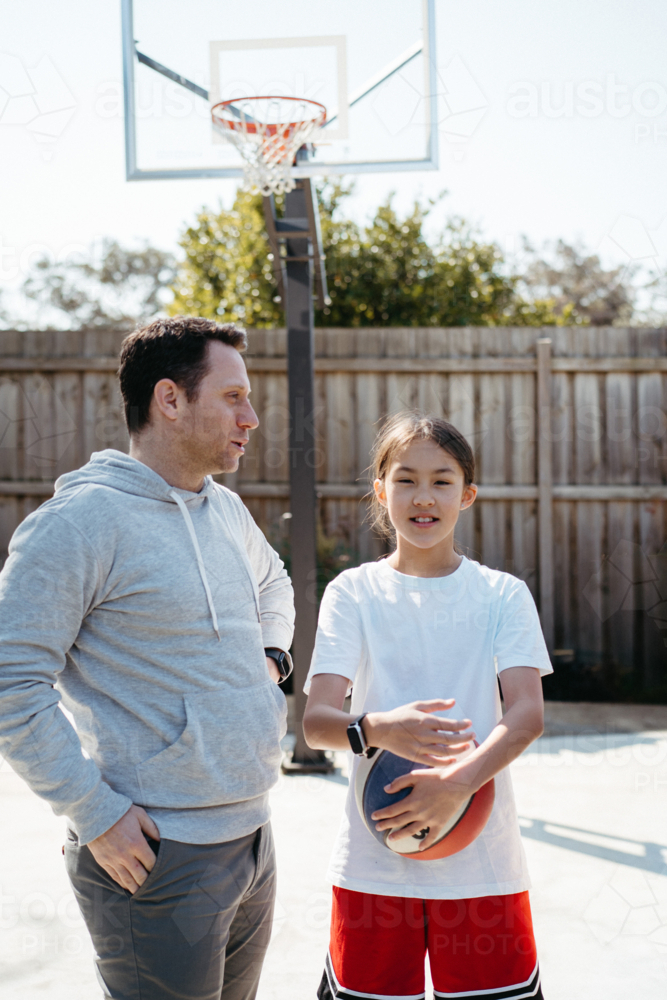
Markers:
<point>355,739</point>
<point>276,655</point>
<point>282,662</point>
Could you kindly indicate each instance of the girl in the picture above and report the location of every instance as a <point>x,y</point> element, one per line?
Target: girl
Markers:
<point>416,634</point>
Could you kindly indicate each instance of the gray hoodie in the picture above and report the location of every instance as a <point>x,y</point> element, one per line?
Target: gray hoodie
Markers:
<point>147,610</point>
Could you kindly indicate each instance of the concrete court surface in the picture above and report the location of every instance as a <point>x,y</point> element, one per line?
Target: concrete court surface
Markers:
<point>593,817</point>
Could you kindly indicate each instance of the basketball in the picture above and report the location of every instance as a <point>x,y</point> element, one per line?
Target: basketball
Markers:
<point>461,829</point>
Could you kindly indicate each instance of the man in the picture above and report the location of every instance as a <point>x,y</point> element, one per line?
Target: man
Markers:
<point>144,595</point>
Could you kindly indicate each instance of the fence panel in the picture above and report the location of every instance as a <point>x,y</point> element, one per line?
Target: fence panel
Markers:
<point>572,499</point>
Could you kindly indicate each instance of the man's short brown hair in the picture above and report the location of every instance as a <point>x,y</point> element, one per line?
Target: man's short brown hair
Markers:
<point>174,348</point>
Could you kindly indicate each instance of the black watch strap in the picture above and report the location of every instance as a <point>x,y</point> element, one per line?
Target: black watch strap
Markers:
<point>283,661</point>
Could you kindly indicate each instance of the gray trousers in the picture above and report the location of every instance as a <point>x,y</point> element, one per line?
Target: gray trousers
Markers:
<point>197,929</point>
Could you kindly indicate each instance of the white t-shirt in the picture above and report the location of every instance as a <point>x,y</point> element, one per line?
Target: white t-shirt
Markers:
<point>403,638</point>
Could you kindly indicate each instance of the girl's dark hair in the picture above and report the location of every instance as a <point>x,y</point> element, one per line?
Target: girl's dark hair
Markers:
<point>174,348</point>
<point>397,433</point>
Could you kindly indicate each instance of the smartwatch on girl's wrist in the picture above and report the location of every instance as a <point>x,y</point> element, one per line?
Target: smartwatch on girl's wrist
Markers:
<point>357,740</point>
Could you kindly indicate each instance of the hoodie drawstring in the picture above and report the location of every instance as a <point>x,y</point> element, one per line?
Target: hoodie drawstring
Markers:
<point>200,562</point>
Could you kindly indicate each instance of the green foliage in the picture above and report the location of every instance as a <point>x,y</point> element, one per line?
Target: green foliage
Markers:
<point>332,558</point>
<point>541,312</point>
<point>384,274</point>
<point>388,274</point>
<point>332,554</point>
<point>227,272</point>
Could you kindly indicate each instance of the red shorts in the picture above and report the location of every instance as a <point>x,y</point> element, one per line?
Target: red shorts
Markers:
<point>482,947</point>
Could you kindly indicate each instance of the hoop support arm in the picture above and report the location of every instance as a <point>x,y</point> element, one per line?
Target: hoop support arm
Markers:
<point>171,75</point>
<point>280,230</point>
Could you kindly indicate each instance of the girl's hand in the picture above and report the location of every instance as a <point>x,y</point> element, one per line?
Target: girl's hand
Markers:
<point>435,797</point>
<point>413,732</point>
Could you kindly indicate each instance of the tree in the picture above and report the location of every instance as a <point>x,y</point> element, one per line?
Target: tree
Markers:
<point>653,312</point>
<point>582,290</point>
<point>389,274</point>
<point>121,288</point>
<point>227,272</point>
<point>384,274</point>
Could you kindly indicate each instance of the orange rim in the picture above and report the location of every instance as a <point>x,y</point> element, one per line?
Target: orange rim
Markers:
<point>268,128</point>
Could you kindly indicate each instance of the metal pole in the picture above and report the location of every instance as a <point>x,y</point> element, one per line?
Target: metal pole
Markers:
<point>302,458</point>
<point>127,20</point>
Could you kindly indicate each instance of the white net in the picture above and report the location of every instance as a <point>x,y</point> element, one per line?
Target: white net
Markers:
<point>268,131</point>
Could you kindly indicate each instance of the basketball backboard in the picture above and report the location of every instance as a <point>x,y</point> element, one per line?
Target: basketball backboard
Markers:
<point>371,64</point>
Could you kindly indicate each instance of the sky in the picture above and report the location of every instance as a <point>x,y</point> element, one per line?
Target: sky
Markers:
<point>553,125</point>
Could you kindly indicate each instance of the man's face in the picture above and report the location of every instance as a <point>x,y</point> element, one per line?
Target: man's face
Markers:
<point>215,426</point>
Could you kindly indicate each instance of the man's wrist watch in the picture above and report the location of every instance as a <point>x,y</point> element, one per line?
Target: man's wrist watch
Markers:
<point>355,735</point>
<point>283,662</point>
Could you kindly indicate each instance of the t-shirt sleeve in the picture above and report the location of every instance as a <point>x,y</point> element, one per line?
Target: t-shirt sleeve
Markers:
<point>339,643</point>
<point>519,641</point>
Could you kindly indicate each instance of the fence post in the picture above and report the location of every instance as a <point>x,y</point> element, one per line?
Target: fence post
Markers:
<point>545,493</point>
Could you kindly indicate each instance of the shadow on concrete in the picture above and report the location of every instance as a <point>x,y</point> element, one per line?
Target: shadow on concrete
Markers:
<point>642,854</point>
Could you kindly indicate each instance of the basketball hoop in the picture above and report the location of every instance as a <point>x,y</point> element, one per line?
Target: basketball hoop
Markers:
<point>268,131</point>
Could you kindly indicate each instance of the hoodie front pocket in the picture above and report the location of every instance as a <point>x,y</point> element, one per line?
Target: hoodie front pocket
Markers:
<point>229,750</point>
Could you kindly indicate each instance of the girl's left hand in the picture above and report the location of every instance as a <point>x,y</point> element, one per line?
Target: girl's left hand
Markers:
<point>436,795</point>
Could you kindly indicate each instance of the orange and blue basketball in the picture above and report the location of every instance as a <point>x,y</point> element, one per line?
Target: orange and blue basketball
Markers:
<point>460,831</point>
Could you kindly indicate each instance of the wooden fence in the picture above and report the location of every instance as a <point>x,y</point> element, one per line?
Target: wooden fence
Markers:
<point>568,425</point>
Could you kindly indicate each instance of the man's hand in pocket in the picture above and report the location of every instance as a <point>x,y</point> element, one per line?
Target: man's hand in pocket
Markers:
<point>123,851</point>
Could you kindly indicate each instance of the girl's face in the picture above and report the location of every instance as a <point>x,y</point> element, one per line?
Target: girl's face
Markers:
<point>424,493</point>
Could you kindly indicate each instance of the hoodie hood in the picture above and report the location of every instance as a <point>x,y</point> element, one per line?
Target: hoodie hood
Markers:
<point>121,472</point>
